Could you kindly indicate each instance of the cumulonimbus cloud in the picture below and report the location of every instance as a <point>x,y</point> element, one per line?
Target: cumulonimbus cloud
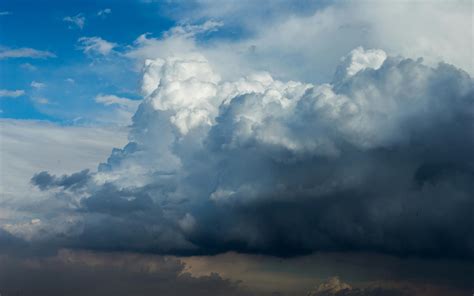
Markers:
<point>380,159</point>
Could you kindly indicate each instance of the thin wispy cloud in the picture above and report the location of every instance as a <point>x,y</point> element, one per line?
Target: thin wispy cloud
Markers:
<point>25,52</point>
<point>104,12</point>
<point>77,21</point>
<point>41,100</point>
<point>37,85</point>
<point>4,93</point>
<point>96,45</point>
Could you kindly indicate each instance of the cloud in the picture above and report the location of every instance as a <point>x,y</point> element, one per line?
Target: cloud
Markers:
<point>96,45</point>
<point>192,30</point>
<point>25,52</point>
<point>104,12</point>
<point>77,20</point>
<point>86,273</point>
<point>69,148</point>
<point>37,85</point>
<point>41,100</point>
<point>28,66</point>
<point>45,181</point>
<point>362,271</point>
<point>334,286</point>
<point>377,160</point>
<point>122,108</point>
<point>178,40</point>
<point>3,13</point>
<point>313,35</point>
<point>108,100</point>
<point>11,93</point>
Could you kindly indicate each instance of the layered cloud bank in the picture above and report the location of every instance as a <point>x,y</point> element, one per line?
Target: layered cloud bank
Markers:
<point>380,159</point>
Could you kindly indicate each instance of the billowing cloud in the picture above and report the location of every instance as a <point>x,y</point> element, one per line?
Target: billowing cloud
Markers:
<point>5,93</point>
<point>24,52</point>
<point>377,160</point>
<point>77,21</point>
<point>96,45</point>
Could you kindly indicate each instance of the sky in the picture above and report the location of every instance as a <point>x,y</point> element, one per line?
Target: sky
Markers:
<point>236,147</point>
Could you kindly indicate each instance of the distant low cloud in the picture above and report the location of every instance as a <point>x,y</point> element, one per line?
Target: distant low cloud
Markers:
<point>25,52</point>
<point>11,93</point>
<point>76,21</point>
<point>104,12</point>
<point>86,273</point>
<point>96,45</point>
<point>335,287</point>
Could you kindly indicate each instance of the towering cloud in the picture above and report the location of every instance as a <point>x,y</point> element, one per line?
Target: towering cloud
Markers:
<point>380,159</point>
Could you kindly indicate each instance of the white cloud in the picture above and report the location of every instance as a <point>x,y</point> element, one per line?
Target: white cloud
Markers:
<point>37,85</point>
<point>122,108</point>
<point>307,45</point>
<point>104,12</point>
<point>108,100</point>
<point>41,100</point>
<point>192,30</point>
<point>96,45</point>
<point>28,66</point>
<point>77,20</point>
<point>25,52</point>
<point>360,59</point>
<point>11,93</point>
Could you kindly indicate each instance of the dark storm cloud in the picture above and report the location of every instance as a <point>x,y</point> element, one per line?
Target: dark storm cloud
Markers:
<point>379,160</point>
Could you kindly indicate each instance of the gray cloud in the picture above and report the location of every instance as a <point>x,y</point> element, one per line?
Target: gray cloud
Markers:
<point>335,287</point>
<point>74,181</point>
<point>83,273</point>
<point>378,160</point>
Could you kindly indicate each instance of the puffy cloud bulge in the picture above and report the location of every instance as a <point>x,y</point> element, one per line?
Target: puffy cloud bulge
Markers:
<point>380,159</point>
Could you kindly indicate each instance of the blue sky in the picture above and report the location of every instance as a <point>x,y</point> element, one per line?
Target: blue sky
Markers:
<point>70,78</point>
